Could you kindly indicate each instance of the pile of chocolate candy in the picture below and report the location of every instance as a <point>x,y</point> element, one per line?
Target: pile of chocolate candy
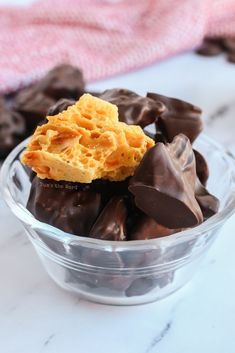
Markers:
<point>217,46</point>
<point>165,195</point>
<point>20,112</point>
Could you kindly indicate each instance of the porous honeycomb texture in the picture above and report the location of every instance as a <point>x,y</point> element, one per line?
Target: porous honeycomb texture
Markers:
<point>86,142</point>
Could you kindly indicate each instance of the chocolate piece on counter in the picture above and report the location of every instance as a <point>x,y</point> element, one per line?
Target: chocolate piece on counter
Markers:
<point>63,81</point>
<point>33,105</point>
<point>231,57</point>
<point>210,47</point>
<point>164,184</point>
<point>229,44</point>
<point>178,117</point>
<point>215,46</point>
<point>60,106</point>
<point>201,167</point>
<point>132,108</point>
<point>147,228</point>
<point>64,205</point>
<point>110,224</point>
<point>12,129</point>
<point>209,204</point>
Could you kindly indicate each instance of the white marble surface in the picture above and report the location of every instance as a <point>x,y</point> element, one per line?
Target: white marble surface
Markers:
<point>36,316</point>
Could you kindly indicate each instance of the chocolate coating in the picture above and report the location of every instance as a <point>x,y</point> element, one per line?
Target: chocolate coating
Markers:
<point>164,184</point>
<point>202,169</point>
<point>178,117</point>
<point>110,224</point>
<point>64,205</point>
<point>132,108</point>
<point>12,129</point>
<point>231,57</point>
<point>229,44</point>
<point>109,189</point>
<point>208,203</point>
<point>215,46</point>
<point>33,105</point>
<point>60,106</point>
<point>63,81</point>
<point>147,228</point>
<point>210,47</point>
<point>141,286</point>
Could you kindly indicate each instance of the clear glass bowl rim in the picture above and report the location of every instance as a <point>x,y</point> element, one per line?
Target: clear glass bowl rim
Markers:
<point>26,217</point>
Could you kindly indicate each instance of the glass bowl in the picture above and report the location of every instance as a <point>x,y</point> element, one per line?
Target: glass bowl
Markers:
<point>122,273</point>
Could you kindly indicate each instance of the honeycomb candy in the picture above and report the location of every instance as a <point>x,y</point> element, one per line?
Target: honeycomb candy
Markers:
<point>86,142</point>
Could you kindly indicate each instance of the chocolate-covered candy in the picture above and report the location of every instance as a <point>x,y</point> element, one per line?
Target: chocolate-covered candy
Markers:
<point>141,286</point>
<point>178,117</point>
<point>215,46</point>
<point>210,47</point>
<point>164,184</point>
<point>110,224</point>
<point>132,108</point>
<point>229,44</point>
<point>208,203</point>
<point>145,284</point>
<point>147,228</point>
<point>64,205</point>
<point>12,129</point>
<point>33,105</point>
<point>63,81</point>
<point>202,169</point>
<point>231,57</point>
<point>60,106</point>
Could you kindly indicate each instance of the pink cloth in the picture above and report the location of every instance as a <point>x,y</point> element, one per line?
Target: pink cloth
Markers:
<point>103,37</point>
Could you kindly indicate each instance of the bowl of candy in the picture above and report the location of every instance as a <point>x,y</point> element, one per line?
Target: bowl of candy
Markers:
<point>118,214</point>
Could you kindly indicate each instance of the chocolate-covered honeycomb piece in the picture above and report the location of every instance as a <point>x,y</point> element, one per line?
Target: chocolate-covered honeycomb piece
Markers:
<point>229,44</point>
<point>33,105</point>
<point>202,169</point>
<point>178,117</point>
<point>111,223</point>
<point>164,184</point>
<point>208,203</point>
<point>210,47</point>
<point>109,189</point>
<point>67,206</point>
<point>216,46</point>
<point>12,129</point>
<point>60,106</point>
<point>231,57</point>
<point>132,108</point>
<point>63,81</point>
<point>147,228</point>
<point>141,285</point>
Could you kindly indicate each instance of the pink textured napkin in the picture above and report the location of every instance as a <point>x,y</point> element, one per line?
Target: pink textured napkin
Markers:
<point>103,37</point>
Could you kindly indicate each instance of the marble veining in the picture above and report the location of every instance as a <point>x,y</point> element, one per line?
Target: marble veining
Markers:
<point>47,341</point>
<point>159,337</point>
